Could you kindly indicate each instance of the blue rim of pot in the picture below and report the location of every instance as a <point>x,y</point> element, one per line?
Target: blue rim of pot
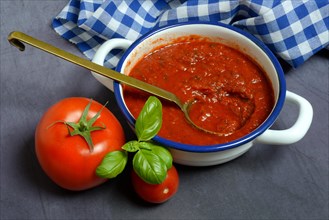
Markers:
<point>216,147</point>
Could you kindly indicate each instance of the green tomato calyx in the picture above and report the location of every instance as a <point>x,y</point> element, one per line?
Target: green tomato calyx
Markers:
<point>84,127</point>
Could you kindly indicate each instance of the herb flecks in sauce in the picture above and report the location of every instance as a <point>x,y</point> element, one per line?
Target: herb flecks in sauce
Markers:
<point>233,93</point>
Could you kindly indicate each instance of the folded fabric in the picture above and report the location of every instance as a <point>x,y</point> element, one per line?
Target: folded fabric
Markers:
<point>293,30</point>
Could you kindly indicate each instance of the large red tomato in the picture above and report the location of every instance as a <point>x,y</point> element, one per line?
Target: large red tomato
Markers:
<point>68,160</point>
<point>157,193</point>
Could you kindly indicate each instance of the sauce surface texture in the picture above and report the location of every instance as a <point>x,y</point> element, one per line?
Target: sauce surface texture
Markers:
<point>233,95</point>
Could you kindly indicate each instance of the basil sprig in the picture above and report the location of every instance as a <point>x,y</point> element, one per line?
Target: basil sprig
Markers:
<point>150,162</point>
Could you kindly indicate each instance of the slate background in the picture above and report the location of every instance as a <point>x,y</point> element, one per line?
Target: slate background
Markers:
<point>268,182</point>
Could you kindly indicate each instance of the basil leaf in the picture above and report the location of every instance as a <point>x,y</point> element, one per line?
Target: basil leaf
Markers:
<point>112,164</point>
<point>149,120</point>
<point>131,146</point>
<point>163,153</point>
<point>145,145</point>
<point>149,167</point>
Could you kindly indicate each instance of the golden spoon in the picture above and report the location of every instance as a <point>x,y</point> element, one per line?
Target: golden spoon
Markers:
<point>17,38</point>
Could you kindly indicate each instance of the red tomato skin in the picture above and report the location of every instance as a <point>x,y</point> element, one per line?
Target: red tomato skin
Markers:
<point>66,159</point>
<point>157,193</point>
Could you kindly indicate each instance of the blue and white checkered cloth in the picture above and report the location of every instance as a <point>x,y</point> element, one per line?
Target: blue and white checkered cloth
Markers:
<point>294,30</point>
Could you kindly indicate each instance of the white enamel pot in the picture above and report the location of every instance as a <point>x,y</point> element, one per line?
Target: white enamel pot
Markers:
<point>215,154</point>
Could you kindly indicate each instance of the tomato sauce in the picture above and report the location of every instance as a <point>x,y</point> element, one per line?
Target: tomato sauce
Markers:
<point>232,94</point>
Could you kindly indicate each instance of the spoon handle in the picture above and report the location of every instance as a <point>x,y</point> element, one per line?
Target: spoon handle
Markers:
<point>16,39</point>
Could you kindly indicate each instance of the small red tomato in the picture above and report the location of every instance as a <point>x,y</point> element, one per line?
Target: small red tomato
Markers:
<point>68,159</point>
<point>157,193</point>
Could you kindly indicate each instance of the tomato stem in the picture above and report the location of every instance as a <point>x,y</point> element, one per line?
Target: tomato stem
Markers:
<point>84,127</point>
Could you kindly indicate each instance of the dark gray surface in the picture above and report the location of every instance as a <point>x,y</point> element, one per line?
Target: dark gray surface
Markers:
<point>268,182</point>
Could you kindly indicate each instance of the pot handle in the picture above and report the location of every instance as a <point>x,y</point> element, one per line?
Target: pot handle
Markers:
<point>297,131</point>
<point>103,51</point>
